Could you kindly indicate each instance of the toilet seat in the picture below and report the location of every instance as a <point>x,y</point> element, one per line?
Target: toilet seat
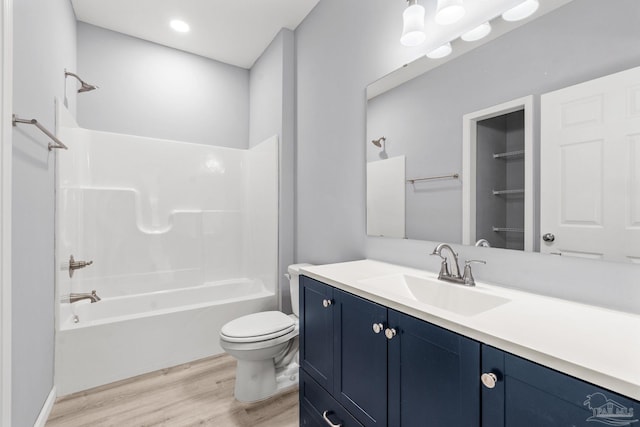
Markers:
<point>257,327</point>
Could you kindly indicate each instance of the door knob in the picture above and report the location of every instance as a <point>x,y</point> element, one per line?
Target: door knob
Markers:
<point>489,379</point>
<point>378,327</point>
<point>390,333</point>
<point>548,237</point>
<point>326,303</point>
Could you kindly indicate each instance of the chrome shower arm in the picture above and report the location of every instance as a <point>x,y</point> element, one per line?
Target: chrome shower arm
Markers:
<point>84,86</point>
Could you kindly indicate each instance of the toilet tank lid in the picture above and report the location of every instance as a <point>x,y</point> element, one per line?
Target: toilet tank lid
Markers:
<point>295,268</point>
<point>258,325</point>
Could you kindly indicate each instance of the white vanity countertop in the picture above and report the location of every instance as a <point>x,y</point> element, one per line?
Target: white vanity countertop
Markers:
<point>594,344</point>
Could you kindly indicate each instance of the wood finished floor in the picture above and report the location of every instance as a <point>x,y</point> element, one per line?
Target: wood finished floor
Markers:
<point>195,394</point>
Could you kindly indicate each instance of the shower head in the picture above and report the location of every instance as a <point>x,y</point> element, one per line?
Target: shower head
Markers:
<point>379,142</point>
<point>85,87</point>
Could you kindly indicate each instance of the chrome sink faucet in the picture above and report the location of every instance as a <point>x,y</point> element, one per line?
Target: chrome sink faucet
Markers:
<point>453,275</point>
<point>444,267</point>
<point>75,297</point>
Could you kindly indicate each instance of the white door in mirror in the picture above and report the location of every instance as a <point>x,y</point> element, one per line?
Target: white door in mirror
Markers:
<point>590,152</point>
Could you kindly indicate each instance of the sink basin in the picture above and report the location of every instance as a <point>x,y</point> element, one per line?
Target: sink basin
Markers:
<point>465,301</point>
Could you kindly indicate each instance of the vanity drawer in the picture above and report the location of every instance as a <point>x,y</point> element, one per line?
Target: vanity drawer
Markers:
<point>315,403</point>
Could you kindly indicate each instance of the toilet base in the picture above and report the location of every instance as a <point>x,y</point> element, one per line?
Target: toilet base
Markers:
<point>259,380</point>
<point>255,380</point>
<point>287,377</point>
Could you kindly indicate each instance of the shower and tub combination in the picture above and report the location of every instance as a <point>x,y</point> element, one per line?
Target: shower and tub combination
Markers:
<point>173,239</point>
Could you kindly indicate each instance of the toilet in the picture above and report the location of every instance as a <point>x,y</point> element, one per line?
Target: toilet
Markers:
<point>266,347</point>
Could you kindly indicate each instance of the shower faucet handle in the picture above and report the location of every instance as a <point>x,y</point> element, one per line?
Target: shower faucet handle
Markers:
<point>76,265</point>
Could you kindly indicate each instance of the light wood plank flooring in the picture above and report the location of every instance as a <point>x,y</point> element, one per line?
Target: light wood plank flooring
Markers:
<point>194,394</point>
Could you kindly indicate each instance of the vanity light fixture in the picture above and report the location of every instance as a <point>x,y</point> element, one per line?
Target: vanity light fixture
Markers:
<point>521,11</point>
<point>179,25</point>
<point>477,33</point>
<point>440,52</point>
<point>413,24</point>
<point>449,12</point>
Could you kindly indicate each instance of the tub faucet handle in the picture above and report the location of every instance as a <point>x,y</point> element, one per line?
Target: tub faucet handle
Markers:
<point>76,265</point>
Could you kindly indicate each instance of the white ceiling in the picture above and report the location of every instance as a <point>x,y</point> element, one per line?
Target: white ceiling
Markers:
<point>232,31</point>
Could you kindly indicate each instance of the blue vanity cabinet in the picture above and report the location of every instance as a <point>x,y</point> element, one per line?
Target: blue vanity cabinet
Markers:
<point>316,330</point>
<point>319,409</point>
<point>360,370</point>
<point>387,368</point>
<point>530,395</point>
<point>433,375</point>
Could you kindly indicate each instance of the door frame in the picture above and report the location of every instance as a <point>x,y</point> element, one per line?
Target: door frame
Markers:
<point>6,106</point>
<point>469,144</point>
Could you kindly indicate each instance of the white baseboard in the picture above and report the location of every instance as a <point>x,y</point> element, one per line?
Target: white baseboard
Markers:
<point>46,409</point>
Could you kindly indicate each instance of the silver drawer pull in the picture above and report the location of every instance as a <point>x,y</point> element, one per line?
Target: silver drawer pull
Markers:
<point>378,327</point>
<point>326,303</point>
<point>325,415</point>
<point>390,333</point>
<point>489,380</point>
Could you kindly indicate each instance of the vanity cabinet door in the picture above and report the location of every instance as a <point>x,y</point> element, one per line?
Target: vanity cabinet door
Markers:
<point>360,382</point>
<point>316,330</point>
<point>530,395</point>
<point>433,375</point>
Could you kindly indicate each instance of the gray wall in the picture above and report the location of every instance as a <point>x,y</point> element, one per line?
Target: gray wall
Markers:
<point>271,88</point>
<point>44,45</point>
<point>151,90</point>
<point>336,60</point>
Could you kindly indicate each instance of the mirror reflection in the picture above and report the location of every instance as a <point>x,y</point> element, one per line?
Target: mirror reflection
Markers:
<point>479,162</point>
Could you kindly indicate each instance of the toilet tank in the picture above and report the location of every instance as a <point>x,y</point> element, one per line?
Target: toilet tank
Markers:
<point>294,286</point>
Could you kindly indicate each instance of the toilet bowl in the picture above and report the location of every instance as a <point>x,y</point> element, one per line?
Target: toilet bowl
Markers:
<point>266,347</point>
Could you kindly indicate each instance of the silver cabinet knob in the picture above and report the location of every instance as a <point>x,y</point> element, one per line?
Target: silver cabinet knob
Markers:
<point>390,333</point>
<point>326,303</point>
<point>378,327</point>
<point>548,237</point>
<point>325,415</point>
<point>489,380</point>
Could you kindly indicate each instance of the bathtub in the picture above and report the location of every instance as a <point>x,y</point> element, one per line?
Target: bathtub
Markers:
<point>120,337</point>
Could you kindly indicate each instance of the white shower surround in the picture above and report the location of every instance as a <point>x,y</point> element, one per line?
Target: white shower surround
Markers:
<point>183,238</point>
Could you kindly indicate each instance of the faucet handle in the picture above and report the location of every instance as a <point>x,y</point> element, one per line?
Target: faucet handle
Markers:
<point>444,267</point>
<point>467,275</point>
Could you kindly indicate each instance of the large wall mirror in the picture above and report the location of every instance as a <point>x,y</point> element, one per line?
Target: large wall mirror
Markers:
<point>424,139</point>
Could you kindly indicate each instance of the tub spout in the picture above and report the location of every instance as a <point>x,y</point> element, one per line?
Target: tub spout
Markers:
<point>75,297</point>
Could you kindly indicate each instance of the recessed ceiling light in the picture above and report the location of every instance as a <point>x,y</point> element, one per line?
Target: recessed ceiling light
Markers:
<point>179,26</point>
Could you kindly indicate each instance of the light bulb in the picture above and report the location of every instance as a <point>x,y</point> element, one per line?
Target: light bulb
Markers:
<point>441,52</point>
<point>449,12</point>
<point>477,33</point>
<point>179,26</point>
<point>413,25</point>
<point>521,11</point>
